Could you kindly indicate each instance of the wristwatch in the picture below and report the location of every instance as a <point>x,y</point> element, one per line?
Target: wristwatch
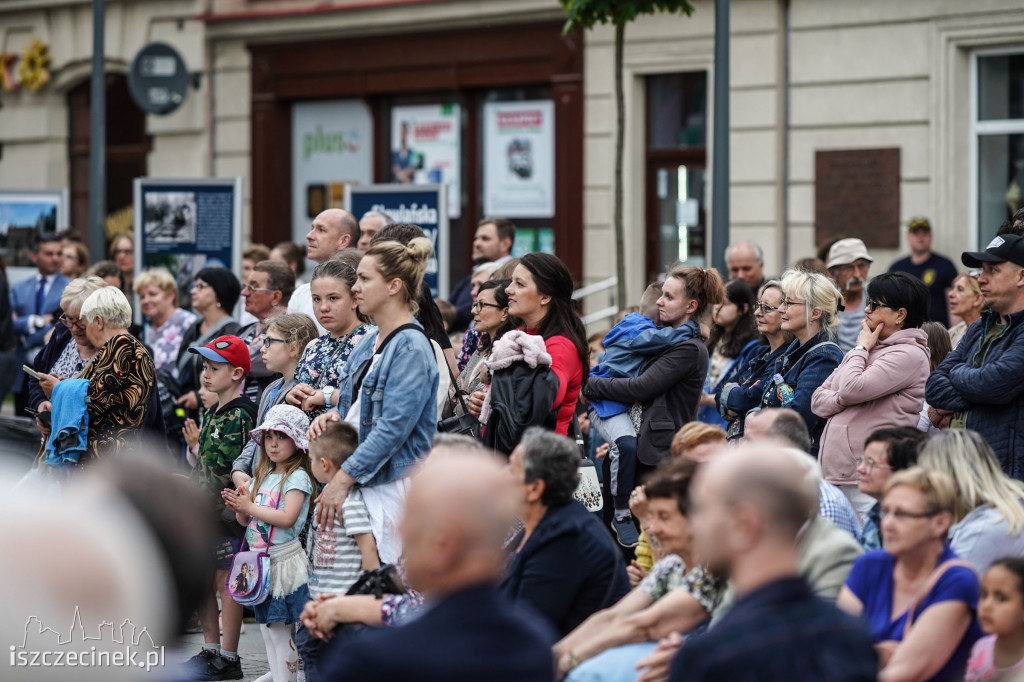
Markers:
<point>860,348</point>
<point>328,392</point>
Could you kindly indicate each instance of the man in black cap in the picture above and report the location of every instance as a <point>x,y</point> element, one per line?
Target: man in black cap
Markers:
<point>980,384</point>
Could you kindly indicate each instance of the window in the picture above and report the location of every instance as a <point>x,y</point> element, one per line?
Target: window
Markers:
<point>676,171</point>
<point>997,119</point>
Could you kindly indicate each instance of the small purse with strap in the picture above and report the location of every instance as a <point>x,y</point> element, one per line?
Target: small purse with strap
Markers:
<point>886,649</point>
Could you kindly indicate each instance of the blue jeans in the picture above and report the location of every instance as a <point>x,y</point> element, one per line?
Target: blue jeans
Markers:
<point>613,665</point>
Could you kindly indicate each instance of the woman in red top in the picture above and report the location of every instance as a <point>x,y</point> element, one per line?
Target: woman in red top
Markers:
<point>541,296</point>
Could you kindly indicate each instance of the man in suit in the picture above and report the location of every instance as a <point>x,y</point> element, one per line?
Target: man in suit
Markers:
<point>458,511</point>
<point>33,302</point>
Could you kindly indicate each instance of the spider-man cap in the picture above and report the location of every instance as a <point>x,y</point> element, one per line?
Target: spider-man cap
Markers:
<point>229,349</point>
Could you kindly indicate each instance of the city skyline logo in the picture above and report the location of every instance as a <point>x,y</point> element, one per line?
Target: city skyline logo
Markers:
<point>44,640</point>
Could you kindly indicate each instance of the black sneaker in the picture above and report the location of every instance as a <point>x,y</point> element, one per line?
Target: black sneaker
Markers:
<point>225,669</point>
<point>199,665</point>
<point>210,665</point>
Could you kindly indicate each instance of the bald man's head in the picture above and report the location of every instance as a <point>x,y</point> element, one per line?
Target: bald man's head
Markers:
<point>333,230</point>
<point>746,499</point>
<point>778,423</point>
<point>458,513</point>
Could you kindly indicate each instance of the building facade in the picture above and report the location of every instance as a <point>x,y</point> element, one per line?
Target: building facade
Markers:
<point>846,118</point>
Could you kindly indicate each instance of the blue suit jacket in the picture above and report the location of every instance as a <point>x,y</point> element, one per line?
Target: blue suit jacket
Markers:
<point>23,304</point>
<point>474,635</point>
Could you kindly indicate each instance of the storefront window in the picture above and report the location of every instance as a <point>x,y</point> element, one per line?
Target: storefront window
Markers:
<point>999,140</point>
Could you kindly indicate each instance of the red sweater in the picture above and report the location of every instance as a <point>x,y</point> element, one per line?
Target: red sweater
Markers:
<point>565,363</point>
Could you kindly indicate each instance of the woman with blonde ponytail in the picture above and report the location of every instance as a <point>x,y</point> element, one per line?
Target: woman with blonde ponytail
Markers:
<point>388,392</point>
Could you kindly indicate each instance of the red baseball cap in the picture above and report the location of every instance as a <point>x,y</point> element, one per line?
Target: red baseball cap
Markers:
<point>229,349</point>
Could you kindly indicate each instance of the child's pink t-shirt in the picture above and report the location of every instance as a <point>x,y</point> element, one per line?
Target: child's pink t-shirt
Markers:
<point>981,666</point>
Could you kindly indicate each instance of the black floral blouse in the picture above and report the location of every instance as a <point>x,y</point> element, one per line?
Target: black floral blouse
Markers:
<point>324,361</point>
<point>121,380</point>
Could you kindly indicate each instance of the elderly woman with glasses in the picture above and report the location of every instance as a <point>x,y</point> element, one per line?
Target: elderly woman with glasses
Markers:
<point>879,384</point>
<point>68,349</point>
<point>916,597</point>
<point>738,398</point>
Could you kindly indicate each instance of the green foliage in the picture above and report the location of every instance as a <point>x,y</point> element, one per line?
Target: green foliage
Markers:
<point>588,13</point>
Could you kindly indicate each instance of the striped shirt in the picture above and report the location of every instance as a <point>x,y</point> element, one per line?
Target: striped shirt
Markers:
<point>334,558</point>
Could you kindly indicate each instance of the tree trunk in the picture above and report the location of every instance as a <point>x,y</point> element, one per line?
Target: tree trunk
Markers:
<point>620,127</point>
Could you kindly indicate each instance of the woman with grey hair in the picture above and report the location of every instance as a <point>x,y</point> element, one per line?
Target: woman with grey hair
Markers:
<point>66,351</point>
<point>565,566</point>
<point>121,375</point>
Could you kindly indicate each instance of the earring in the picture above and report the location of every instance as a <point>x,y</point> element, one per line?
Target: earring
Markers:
<point>218,304</point>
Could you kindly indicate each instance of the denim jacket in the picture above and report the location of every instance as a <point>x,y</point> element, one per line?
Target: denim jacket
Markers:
<point>398,408</point>
<point>805,367</point>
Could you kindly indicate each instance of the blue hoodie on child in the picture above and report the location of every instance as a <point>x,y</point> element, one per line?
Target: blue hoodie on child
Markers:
<point>628,347</point>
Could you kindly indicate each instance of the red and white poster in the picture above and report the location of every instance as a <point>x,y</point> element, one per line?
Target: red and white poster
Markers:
<point>519,159</point>
<point>426,144</point>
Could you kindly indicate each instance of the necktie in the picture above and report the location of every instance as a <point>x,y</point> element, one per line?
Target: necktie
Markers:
<point>41,296</point>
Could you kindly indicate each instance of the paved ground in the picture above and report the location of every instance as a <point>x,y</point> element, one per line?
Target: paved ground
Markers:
<point>250,649</point>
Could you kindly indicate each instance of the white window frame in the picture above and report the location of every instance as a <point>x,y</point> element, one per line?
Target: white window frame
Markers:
<point>979,128</point>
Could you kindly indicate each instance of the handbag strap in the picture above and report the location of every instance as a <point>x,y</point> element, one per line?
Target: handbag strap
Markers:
<point>928,585</point>
<point>451,374</point>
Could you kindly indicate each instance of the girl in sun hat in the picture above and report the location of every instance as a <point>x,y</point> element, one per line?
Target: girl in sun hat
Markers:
<point>274,509</point>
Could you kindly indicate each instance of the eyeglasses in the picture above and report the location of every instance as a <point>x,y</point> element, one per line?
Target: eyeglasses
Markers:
<point>69,322</point>
<point>270,341</point>
<point>870,464</point>
<point>200,285</point>
<point>765,308</point>
<point>252,288</point>
<point>901,515</point>
<point>480,305</point>
<point>789,303</point>
<point>875,305</point>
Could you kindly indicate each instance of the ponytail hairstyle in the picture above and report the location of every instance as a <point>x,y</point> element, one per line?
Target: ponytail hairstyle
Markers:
<point>337,268</point>
<point>703,285</point>
<point>297,328</point>
<point>407,263</point>
<point>552,279</point>
<point>820,292</point>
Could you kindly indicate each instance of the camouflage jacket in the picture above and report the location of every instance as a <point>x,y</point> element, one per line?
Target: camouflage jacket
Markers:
<point>225,432</point>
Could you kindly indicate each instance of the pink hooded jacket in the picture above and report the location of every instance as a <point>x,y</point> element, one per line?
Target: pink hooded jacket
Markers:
<point>883,388</point>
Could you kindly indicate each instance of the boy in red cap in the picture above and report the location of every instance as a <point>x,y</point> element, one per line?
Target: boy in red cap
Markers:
<point>225,431</point>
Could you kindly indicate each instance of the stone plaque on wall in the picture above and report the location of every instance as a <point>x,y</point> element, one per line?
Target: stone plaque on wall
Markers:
<point>857,194</point>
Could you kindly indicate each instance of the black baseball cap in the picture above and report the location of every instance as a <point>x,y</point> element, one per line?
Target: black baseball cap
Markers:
<point>1005,247</point>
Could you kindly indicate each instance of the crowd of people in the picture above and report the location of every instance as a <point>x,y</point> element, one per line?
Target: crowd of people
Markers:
<point>814,476</point>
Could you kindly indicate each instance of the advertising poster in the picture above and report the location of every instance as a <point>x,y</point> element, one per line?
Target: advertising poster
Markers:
<point>426,148</point>
<point>187,225</point>
<point>519,159</point>
<point>332,148</point>
<point>23,215</point>
<point>419,205</point>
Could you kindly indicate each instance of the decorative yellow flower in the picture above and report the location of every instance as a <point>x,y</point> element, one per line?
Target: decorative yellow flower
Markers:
<point>33,71</point>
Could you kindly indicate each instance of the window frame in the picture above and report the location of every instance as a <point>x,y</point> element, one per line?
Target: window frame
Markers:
<point>979,128</point>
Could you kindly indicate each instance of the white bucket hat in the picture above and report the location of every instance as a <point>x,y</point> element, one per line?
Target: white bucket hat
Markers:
<point>289,420</point>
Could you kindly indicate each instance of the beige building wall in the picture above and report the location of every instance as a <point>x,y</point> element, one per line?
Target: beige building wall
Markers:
<point>862,75</point>
<point>34,126</point>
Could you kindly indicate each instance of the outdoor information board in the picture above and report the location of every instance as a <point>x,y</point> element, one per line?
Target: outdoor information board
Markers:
<point>423,205</point>
<point>187,225</point>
